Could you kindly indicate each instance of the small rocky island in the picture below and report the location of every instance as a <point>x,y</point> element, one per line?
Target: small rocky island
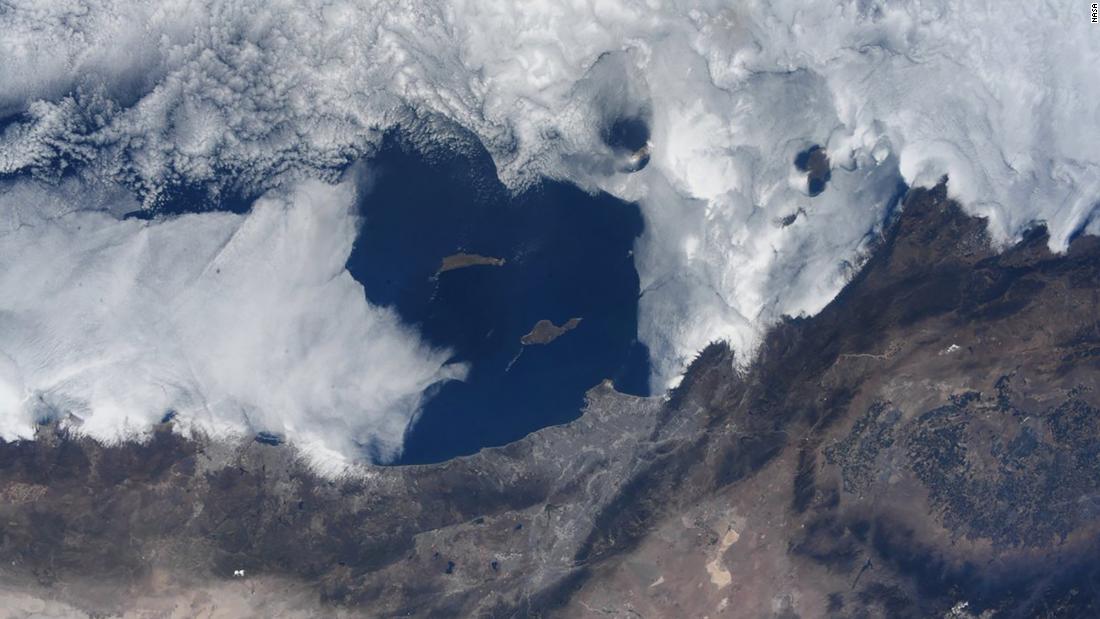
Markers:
<point>462,260</point>
<point>545,331</point>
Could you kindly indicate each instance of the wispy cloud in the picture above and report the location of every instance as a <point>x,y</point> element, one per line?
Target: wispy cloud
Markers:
<point>252,95</point>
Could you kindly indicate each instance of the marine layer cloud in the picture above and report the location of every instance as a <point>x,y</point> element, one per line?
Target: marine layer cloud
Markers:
<point>277,98</point>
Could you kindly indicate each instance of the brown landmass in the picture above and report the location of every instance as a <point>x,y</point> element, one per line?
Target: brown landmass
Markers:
<point>546,331</point>
<point>926,446</point>
<point>462,260</point>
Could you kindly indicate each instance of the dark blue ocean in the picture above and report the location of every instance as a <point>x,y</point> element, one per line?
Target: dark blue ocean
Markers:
<point>567,255</point>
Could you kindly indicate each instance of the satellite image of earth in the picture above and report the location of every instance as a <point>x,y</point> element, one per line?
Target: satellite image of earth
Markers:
<point>521,308</point>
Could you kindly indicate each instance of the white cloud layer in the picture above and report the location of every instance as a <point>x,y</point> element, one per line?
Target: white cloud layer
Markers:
<point>238,323</point>
<point>1001,96</point>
